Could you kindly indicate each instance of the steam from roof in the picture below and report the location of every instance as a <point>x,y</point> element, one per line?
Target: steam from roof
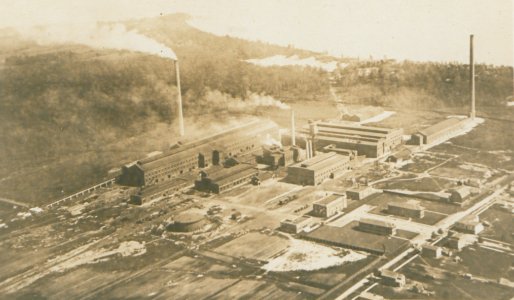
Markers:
<point>104,36</point>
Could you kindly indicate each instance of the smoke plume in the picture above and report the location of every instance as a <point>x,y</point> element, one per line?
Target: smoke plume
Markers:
<point>105,36</point>
<point>234,104</point>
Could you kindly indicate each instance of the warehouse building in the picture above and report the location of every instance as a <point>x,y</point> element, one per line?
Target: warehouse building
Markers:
<point>456,241</point>
<point>377,227</point>
<point>318,168</point>
<point>296,225</point>
<point>469,224</point>
<point>392,278</point>
<point>409,209</point>
<point>460,194</point>
<point>431,251</point>
<point>274,156</point>
<point>329,206</point>
<point>365,140</point>
<point>161,190</point>
<point>213,150</point>
<point>439,132</point>
<point>220,180</point>
<point>360,192</point>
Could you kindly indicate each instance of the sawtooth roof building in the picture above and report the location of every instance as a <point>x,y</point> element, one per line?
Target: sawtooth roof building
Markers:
<point>212,150</point>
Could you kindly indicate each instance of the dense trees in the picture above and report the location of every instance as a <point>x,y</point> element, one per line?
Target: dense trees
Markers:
<point>423,84</point>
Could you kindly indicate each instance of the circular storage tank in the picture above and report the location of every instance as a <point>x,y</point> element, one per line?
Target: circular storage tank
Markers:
<point>187,222</point>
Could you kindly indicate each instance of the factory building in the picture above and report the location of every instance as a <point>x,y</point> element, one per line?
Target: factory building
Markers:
<point>377,227</point>
<point>431,251</point>
<point>161,190</point>
<point>365,140</point>
<point>318,168</point>
<point>213,150</point>
<point>458,195</point>
<point>469,224</point>
<point>360,192</point>
<point>456,241</point>
<point>439,132</point>
<point>392,278</point>
<point>329,206</point>
<point>220,180</point>
<point>409,209</point>
<point>296,225</point>
<point>275,157</point>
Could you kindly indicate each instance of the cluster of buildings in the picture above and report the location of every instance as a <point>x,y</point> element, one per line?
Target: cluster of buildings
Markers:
<point>224,160</point>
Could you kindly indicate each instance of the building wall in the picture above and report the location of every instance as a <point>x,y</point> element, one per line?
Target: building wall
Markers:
<point>362,149</point>
<point>301,176</point>
<point>382,230</point>
<point>406,212</point>
<point>329,209</point>
<point>216,188</point>
<point>359,194</point>
<point>314,176</point>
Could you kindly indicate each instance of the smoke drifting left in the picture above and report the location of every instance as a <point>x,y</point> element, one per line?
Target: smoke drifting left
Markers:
<point>103,36</point>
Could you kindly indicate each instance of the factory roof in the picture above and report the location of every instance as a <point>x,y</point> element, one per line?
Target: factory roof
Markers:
<point>191,149</point>
<point>431,247</point>
<point>348,139</point>
<point>329,199</point>
<point>321,161</point>
<point>226,175</point>
<point>343,131</point>
<point>414,205</point>
<point>439,127</point>
<point>376,223</point>
<point>298,220</point>
<point>358,188</point>
<point>391,274</point>
<point>462,191</point>
<point>154,189</point>
<point>380,130</point>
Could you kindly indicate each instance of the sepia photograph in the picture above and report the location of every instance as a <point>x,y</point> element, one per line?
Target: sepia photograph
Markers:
<point>257,149</point>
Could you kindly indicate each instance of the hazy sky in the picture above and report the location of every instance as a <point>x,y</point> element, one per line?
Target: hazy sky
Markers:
<point>436,30</point>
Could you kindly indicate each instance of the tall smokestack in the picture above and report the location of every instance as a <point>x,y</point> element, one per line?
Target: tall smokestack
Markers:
<point>293,130</point>
<point>472,77</point>
<point>179,102</point>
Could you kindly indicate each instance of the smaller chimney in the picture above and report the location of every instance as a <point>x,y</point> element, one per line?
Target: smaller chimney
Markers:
<point>472,77</point>
<point>293,130</point>
<point>307,148</point>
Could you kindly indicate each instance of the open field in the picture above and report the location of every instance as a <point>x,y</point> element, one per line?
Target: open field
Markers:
<point>253,289</point>
<point>425,184</point>
<point>435,206</point>
<point>349,236</point>
<point>454,169</point>
<point>423,161</point>
<point>255,246</point>
<point>502,224</point>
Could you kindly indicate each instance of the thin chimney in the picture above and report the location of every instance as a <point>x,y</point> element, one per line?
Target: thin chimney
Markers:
<point>472,77</point>
<point>179,102</point>
<point>293,130</point>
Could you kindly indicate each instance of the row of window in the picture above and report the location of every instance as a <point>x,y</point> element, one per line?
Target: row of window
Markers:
<point>235,183</point>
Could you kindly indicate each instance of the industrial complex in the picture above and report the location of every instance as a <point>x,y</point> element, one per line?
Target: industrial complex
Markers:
<point>315,209</point>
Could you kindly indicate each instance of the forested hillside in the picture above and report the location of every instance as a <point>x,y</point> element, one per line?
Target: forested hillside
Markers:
<point>68,113</point>
<point>425,85</point>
